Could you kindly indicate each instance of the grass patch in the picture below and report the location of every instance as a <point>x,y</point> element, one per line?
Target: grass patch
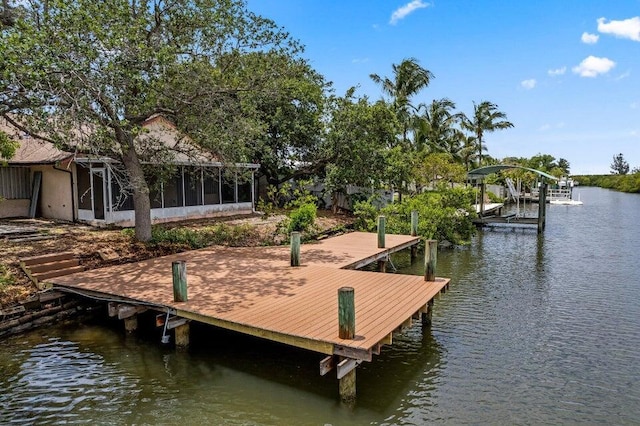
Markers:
<point>6,278</point>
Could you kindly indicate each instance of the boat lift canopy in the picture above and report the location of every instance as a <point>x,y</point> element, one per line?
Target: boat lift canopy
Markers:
<point>487,170</point>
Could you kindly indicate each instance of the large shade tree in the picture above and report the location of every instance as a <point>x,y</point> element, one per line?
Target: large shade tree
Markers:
<point>486,118</point>
<point>355,149</point>
<point>87,74</point>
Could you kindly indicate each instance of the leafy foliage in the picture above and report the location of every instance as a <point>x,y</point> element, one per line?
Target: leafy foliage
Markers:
<point>619,165</point>
<point>89,74</point>
<point>188,238</point>
<point>445,214</point>
<point>623,183</point>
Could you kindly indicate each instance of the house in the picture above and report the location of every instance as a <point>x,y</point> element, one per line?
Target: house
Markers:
<point>41,180</point>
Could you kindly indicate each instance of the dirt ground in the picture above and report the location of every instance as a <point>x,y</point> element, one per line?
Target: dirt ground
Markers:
<point>87,242</point>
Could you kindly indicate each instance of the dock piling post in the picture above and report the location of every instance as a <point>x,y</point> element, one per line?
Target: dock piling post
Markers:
<point>426,316</point>
<point>295,248</point>
<point>347,387</point>
<point>542,207</point>
<point>430,260</point>
<point>131,324</point>
<point>414,233</point>
<point>346,313</point>
<point>381,231</point>
<point>182,335</point>
<point>414,223</point>
<point>179,269</point>
<point>347,330</point>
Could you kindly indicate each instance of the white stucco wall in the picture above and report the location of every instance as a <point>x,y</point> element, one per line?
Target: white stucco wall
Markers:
<point>55,193</point>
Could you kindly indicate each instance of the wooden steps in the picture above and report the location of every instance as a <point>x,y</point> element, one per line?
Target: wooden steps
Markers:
<point>41,268</point>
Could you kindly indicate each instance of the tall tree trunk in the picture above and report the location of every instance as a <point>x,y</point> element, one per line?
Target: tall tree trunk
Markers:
<point>141,201</point>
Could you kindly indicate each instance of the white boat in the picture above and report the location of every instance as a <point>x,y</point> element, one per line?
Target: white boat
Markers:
<point>566,202</point>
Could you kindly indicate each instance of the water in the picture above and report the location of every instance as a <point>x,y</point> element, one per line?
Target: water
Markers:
<point>533,331</point>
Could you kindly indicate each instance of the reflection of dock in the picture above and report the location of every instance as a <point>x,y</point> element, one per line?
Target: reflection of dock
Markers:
<point>255,291</point>
<point>506,220</point>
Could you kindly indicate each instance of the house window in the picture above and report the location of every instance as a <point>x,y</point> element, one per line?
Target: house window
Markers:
<point>244,189</point>
<point>193,186</point>
<point>155,191</point>
<point>15,183</point>
<point>172,190</point>
<point>84,188</point>
<point>211,186</point>
<point>228,188</point>
<point>119,200</point>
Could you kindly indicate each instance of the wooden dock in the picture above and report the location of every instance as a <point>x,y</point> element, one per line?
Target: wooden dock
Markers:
<point>255,291</point>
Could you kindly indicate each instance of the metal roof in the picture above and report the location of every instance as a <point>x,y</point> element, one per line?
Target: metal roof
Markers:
<point>487,170</point>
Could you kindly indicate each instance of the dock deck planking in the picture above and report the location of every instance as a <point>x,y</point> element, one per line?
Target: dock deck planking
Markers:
<point>255,291</point>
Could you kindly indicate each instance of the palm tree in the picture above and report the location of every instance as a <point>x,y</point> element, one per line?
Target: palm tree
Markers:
<point>409,78</point>
<point>486,118</point>
<point>435,127</point>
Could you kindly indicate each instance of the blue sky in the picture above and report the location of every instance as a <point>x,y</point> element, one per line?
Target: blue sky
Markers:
<point>566,72</point>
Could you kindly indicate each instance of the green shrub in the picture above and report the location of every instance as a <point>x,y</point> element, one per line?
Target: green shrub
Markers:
<point>302,218</point>
<point>445,214</point>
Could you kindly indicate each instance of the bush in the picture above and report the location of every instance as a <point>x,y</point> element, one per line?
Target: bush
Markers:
<point>445,214</point>
<point>188,238</point>
<point>302,218</point>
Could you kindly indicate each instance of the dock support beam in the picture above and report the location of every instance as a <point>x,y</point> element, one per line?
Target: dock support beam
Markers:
<point>430,260</point>
<point>381,231</point>
<point>295,249</point>
<point>179,269</point>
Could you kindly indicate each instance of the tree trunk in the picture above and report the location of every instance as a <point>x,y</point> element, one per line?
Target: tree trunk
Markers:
<point>141,202</point>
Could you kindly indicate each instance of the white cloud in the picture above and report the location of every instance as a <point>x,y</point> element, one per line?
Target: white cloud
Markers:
<point>545,127</point>
<point>557,71</point>
<point>528,84</point>
<point>627,28</point>
<point>623,76</point>
<point>359,60</point>
<point>592,66</point>
<point>589,38</point>
<point>403,11</point>
<point>634,105</point>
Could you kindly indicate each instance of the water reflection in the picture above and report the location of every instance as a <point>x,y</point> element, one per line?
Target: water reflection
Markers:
<point>534,329</point>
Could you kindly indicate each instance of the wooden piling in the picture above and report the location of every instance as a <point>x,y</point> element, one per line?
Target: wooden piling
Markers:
<point>430,260</point>
<point>347,387</point>
<point>414,223</point>
<point>131,323</point>
<point>542,207</point>
<point>346,313</point>
<point>382,265</point>
<point>182,335</point>
<point>295,249</point>
<point>381,231</point>
<point>179,269</point>
<point>426,316</point>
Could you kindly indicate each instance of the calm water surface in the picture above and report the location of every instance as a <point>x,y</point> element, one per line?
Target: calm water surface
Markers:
<point>533,331</point>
